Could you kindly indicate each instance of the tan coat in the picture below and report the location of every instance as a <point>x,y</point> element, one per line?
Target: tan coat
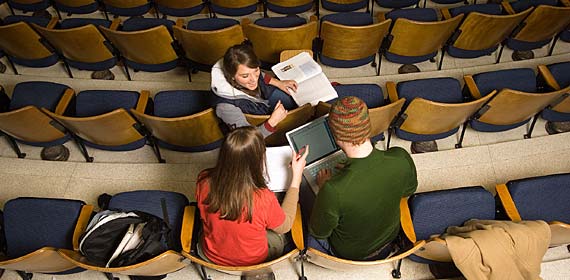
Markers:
<point>504,250</point>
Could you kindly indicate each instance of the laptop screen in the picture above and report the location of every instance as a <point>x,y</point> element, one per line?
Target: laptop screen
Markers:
<point>317,135</point>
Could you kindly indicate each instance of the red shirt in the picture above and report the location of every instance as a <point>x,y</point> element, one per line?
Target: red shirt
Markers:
<point>238,243</point>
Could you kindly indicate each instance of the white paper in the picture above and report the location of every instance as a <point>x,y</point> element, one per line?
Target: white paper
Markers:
<point>278,159</point>
<point>314,86</point>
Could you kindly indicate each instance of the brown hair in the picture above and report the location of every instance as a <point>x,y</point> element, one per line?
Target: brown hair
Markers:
<point>238,174</point>
<point>236,55</point>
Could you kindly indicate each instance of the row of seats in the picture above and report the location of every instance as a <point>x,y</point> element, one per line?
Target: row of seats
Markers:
<point>345,40</point>
<point>48,239</point>
<point>47,114</point>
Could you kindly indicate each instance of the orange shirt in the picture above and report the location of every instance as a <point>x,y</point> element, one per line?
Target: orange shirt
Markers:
<point>238,243</point>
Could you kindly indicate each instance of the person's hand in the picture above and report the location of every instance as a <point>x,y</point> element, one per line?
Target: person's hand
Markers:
<point>323,176</point>
<point>298,162</point>
<point>279,113</point>
<point>287,86</point>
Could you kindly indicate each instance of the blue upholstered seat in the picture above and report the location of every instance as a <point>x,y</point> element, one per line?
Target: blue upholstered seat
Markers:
<point>416,14</point>
<point>565,35</point>
<point>289,10</point>
<point>86,9</point>
<point>338,7</point>
<point>490,9</point>
<point>138,23</point>
<point>522,5</point>
<point>542,198</point>
<point>396,4</point>
<point>443,90</point>
<point>210,24</point>
<point>183,12</point>
<point>560,73</point>
<point>34,223</point>
<point>150,201</point>
<point>179,103</point>
<point>129,12</point>
<point>280,22</point>
<point>39,6</point>
<point>41,21</point>
<point>520,79</point>
<point>77,22</point>
<point>39,94</point>
<point>433,212</point>
<point>234,12</point>
<point>371,94</point>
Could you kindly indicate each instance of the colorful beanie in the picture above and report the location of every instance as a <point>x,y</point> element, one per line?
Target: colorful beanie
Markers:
<point>349,121</point>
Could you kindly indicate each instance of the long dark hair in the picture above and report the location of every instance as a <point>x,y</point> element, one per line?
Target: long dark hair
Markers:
<point>235,56</point>
<point>238,174</point>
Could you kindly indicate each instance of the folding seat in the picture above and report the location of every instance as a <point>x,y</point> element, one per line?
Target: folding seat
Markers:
<point>75,6</point>
<point>126,8</point>
<point>539,198</point>
<point>23,46</point>
<point>427,215</point>
<point>36,228</point>
<point>345,5</point>
<point>205,41</point>
<point>41,21</point>
<point>488,9</point>
<point>102,120</point>
<point>90,50</point>
<point>447,2</point>
<point>288,7</point>
<point>162,204</point>
<point>140,23</point>
<point>412,41</point>
<point>481,34</point>
<point>417,14</point>
<point>555,77</point>
<point>28,5</point>
<point>351,39</point>
<point>179,8</point>
<point>270,36</point>
<point>434,110</point>
<point>78,22</point>
<point>515,103</point>
<point>190,237</point>
<point>24,121</point>
<point>149,50</point>
<point>233,8</point>
<point>294,119</point>
<point>537,30</point>
<point>395,4</point>
<point>183,120</point>
<point>521,5</point>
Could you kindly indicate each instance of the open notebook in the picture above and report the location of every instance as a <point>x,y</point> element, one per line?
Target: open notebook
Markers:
<point>313,87</point>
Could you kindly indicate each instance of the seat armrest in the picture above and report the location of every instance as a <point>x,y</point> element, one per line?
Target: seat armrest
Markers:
<point>381,16</point>
<point>297,229</point>
<point>143,100</point>
<point>187,228</point>
<point>115,24</point>
<point>52,23</point>
<point>180,23</point>
<point>508,8</point>
<point>508,203</point>
<point>64,101</point>
<point>392,92</point>
<point>406,220</point>
<point>81,225</point>
<point>472,86</point>
<point>565,3</point>
<point>445,14</point>
<point>313,18</point>
<point>548,78</point>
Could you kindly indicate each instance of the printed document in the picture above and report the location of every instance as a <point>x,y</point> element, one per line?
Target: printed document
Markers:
<point>313,87</point>
<point>278,159</point>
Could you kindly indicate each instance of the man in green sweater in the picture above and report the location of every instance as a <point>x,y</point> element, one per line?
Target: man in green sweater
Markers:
<point>356,213</point>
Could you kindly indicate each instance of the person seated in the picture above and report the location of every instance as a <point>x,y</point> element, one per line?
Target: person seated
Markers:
<point>243,223</point>
<point>241,88</point>
<point>356,212</point>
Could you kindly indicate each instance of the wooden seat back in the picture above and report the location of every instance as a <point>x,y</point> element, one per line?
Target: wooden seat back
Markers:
<point>83,44</point>
<point>125,4</point>
<point>179,4</point>
<point>294,119</point>
<point>207,47</point>
<point>511,106</point>
<point>428,117</point>
<point>268,43</point>
<point>418,38</point>
<point>544,23</point>
<point>344,42</point>
<point>188,131</point>
<point>75,3</point>
<point>30,124</point>
<point>483,31</point>
<point>115,128</point>
<point>289,3</point>
<point>21,41</point>
<point>234,4</point>
<point>150,46</point>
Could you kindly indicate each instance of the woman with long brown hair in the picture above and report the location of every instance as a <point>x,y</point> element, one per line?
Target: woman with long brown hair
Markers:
<point>242,220</point>
<point>241,88</point>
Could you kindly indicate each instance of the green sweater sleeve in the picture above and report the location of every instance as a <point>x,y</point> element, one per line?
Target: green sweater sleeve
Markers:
<point>325,215</point>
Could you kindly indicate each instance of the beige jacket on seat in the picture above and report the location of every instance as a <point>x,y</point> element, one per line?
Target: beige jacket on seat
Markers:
<point>505,250</point>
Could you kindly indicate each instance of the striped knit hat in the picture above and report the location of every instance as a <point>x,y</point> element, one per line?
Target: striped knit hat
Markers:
<point>349,121</point>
